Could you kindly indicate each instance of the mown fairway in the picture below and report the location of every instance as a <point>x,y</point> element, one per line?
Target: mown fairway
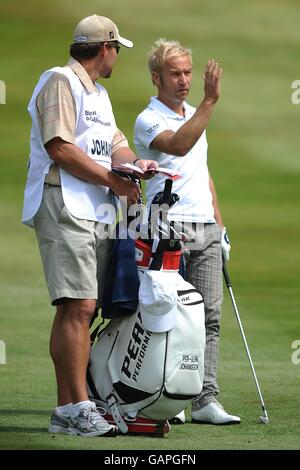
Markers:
<point>254,158</point>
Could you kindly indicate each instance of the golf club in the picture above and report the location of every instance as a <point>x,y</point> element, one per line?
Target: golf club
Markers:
<point>264,419</point>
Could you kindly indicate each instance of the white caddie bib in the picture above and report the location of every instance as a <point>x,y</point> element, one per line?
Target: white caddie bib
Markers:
<point>95,129</point>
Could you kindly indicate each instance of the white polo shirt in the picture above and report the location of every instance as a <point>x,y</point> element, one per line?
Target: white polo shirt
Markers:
<point>195,204</point>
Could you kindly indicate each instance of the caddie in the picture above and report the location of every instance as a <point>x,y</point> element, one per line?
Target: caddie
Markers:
<point>69,202</point>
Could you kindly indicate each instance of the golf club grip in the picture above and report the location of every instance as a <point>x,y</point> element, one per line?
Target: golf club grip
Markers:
<point>167,191</point>
<point>157,260</point>
<point>226,275</point>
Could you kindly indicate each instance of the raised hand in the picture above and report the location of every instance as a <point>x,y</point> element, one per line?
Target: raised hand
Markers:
<point>212,81</point>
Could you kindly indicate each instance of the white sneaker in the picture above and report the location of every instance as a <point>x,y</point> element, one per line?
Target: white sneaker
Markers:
<point>59,423</point>
<point>178,419</point>
<point>89,422</point>
<point>213,413</point>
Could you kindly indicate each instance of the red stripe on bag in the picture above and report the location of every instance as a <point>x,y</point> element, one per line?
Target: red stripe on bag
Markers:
<point>143,256</point>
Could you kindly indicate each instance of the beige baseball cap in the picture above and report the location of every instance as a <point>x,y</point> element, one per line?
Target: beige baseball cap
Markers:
<point>97,28</point>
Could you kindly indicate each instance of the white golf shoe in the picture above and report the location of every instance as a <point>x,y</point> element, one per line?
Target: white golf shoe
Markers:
<point>89,422</point>
<point>178,419</point>
<point>59,423</point>
<point>213,413</point>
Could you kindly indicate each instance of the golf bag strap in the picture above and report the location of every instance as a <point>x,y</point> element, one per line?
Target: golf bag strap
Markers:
<point>115,412</point>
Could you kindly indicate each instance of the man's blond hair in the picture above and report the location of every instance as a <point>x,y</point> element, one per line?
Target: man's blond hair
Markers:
<point>163,50</point>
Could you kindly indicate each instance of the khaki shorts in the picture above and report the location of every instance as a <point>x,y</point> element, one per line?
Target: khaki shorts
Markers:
<point>74,252</point>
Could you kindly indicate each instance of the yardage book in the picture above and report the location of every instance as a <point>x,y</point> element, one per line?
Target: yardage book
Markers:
<point>130,168</point>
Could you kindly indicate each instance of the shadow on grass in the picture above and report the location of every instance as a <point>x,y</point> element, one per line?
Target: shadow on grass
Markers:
<point>24,412</point>
<point>22,429</point>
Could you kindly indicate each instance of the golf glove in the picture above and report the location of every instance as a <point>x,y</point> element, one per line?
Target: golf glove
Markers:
<point>225,244</point>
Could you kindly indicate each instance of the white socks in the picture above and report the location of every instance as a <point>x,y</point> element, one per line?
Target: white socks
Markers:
<point>65,409</point>
<point>71,409</point>
<point>77,407</point>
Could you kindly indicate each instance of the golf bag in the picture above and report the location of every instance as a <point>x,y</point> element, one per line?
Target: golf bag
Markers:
<point>141,375</point>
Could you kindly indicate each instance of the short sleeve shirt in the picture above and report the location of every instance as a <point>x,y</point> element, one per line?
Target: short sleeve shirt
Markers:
<point>195,204</point>
<point>56,113</point>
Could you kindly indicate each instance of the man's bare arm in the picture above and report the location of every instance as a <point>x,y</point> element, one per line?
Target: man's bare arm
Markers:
<point>217,212</point>
<point>125,154</point>
<point>76,162</point>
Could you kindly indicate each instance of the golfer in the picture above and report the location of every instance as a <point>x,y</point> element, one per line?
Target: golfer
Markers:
<point>69,202</point>
<point>173,133</point>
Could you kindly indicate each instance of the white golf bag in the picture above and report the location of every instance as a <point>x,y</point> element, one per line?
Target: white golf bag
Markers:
<point>137,373</point>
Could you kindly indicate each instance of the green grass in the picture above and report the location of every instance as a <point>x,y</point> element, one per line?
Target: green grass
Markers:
<point>253,155</point>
